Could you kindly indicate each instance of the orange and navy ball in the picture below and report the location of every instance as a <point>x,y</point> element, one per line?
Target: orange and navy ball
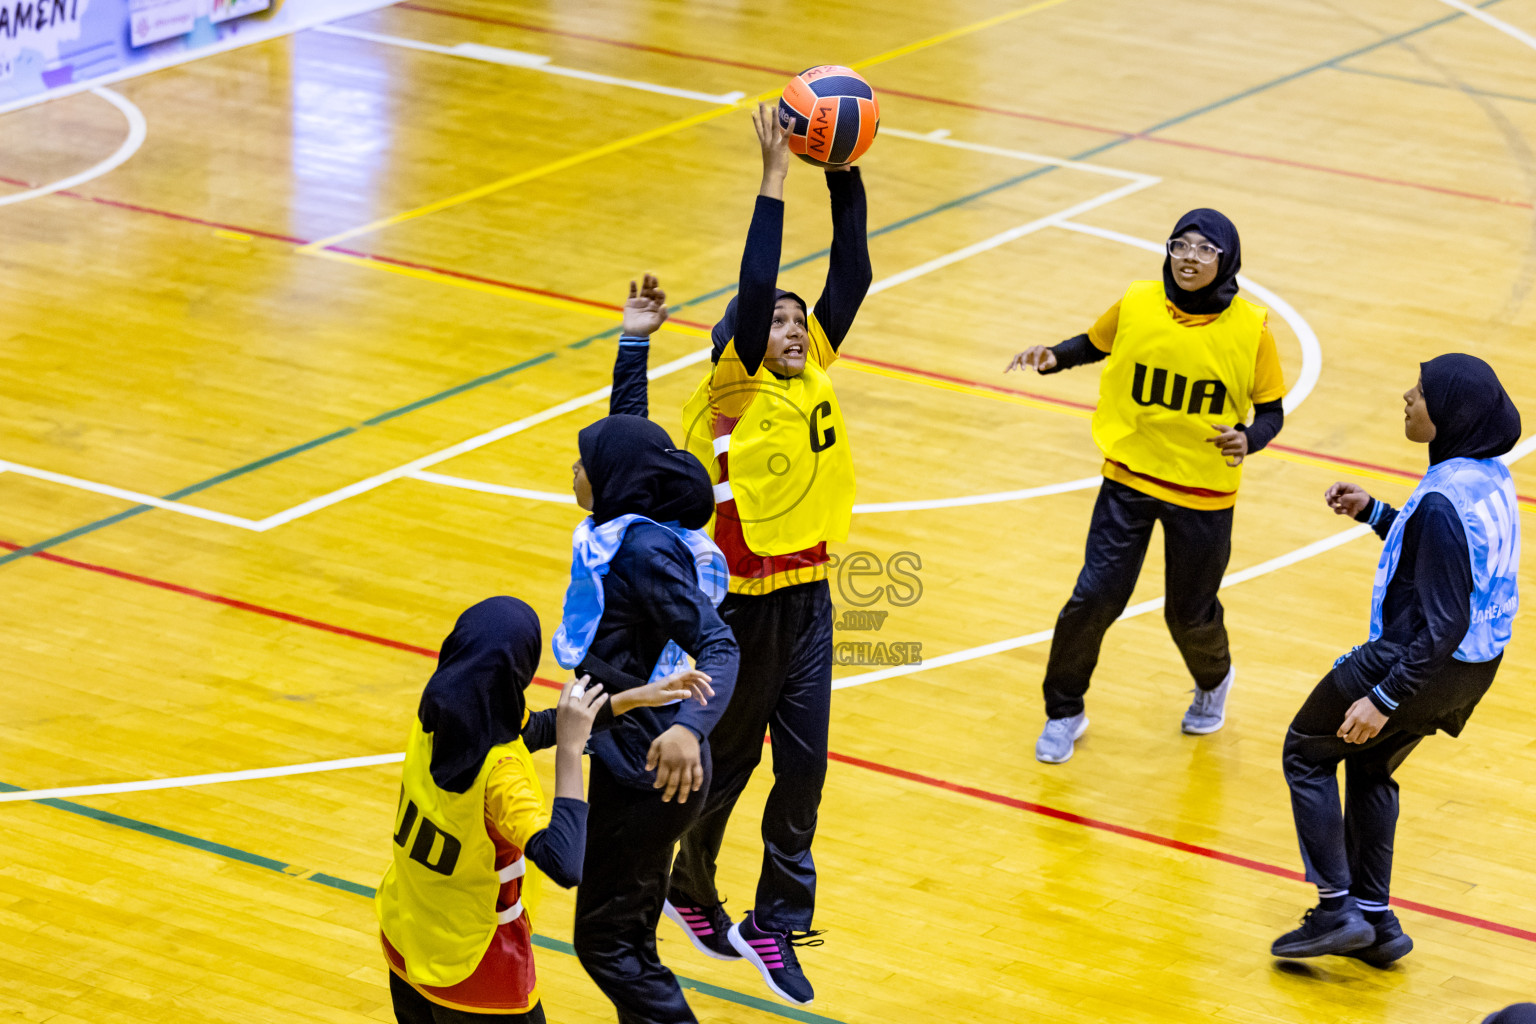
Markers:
<point>835,115</point>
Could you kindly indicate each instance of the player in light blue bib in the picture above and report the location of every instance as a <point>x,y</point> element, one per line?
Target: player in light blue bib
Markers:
<point>1444,600</point>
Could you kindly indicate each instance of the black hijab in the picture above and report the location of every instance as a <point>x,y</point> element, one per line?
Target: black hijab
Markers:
<point>474,701</point>
<point>634,469</point>
<point>725,329</point>
<point>1473,415</point>
<point>1218,295</point>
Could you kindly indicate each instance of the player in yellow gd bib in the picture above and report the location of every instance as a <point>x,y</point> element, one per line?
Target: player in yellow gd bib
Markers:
<point>472,837</point>
<point>766,420</point>
<point>1187,359</point>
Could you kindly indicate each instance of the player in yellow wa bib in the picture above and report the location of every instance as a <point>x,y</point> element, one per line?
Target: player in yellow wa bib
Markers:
<point>1185,362</point>
<point>766,421</point>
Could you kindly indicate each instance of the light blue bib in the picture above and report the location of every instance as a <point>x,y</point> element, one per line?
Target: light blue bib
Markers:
<point>592,549</point>
<point>1484,496</point>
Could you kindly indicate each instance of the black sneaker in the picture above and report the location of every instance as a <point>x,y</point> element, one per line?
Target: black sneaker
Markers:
<point>705,926</point>
<point>1390,946</point>
<point>773,953</point>
<point>1327,931</point>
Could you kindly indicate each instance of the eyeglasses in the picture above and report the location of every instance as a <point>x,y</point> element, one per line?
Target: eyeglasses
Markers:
<point>1205,252</point>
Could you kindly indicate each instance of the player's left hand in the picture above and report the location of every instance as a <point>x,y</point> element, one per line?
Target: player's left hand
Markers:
<point>674,756</point>
<point>646,309</point>
<point>689,683</point>
<point>1231,442</point>
<point>1361,722</point>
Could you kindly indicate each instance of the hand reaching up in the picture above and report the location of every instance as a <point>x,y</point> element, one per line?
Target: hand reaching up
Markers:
<point>646,309</point>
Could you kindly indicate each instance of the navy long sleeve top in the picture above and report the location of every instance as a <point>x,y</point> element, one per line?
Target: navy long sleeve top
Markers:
<point>848,272</point>
<point>650,595</point>
<point>1409,672</point>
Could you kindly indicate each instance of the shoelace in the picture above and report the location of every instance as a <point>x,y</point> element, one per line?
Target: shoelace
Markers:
<point>806,938</point>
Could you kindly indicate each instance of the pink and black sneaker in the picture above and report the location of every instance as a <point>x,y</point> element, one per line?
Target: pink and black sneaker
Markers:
<point>773,953</point>
<point>705,926</point>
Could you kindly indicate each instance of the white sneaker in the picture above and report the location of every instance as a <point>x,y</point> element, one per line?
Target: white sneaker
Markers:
<point>1208,711</point>
<point>1055,743</point>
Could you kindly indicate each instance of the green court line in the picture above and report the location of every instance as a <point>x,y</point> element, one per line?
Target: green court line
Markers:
<point>78,531</point>
<point>367,891</point>
<point>1435,84</point>
<point>468,385</point>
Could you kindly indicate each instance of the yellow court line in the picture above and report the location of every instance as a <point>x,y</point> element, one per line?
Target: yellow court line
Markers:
<point>551,301</point>
<point>524,176</point>
<point>954,33</point>
<point>645,136</point>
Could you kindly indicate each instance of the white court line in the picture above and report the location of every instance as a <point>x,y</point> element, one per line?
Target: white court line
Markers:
<point>485,488</point>
<point>133,496</point>
<point>937,139</point>
<point>479,441</point>
<point>954,658</point>
<point>1138,183</point>
<point>1311,351</point>
<point>1488,19</point>
<point>1011,235</point>
<point>65,792</point>
<point>138,129</point>
<point>1301,554</point>
<point>529,61</point>
<point>884,506</point>
<point>1029,639</point>
<point>980,499</point>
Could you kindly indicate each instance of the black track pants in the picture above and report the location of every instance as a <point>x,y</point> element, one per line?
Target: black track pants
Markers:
<point>1349,849</point>
<point>630,837</point>
<point>1196,545</point>
<point>784,686</point>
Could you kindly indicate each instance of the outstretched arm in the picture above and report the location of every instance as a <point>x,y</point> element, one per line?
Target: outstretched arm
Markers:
<point>848,272</point>
<point>644,313</point>
<point>750,317</point>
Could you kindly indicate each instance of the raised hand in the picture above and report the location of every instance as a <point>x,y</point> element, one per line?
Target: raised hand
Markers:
<point>1231,442</point>
<point>1037,357</point>
<point>646,309</point>
<point>773,137</point>
<point>1347,499</point>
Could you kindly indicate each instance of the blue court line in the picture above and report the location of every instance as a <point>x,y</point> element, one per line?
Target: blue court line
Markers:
<point>50,542</point>
<point>358,889</point>
<point>1436,84</point>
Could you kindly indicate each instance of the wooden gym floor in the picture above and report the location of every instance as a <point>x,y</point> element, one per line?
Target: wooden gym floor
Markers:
<point>347,279</point>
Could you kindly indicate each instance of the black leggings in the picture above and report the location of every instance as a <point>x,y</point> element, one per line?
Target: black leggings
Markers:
<point>411,1007</point>
<point>1196,546</point>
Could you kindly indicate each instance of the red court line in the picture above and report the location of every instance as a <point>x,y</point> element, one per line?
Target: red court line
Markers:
<point>988,796</point>
<point>1000,389</point>
<point>983,108</point>
<point>615,307</point>
<point>486,20</point>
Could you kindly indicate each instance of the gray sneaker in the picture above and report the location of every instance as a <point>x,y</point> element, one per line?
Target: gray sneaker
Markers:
<point>1055,744</point>
<point>1208,711</point>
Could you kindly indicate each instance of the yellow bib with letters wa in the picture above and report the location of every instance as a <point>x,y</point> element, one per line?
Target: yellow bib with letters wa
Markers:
<point>1165,385</point>
<point>437,902</point>
<point>788,465</point>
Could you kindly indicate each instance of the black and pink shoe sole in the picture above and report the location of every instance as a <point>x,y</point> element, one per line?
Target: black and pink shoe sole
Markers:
<point>683,919</point>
